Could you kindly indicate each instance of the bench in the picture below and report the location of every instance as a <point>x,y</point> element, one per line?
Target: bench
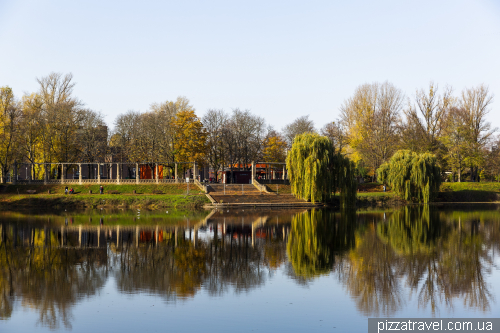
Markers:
<point>31,191</point>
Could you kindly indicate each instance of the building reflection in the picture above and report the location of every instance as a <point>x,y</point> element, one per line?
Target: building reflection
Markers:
<point>439,256</point>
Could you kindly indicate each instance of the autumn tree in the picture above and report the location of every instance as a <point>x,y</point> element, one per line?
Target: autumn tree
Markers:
<point>371,118</point>
<point>455,140</point>
<point>275,147</point>
<point>62,112</point>
<point>10,115</point>
<point>190,137</point>
<point>32,124</point>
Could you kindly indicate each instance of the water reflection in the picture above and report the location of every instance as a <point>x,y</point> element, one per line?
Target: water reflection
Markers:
<point>383,260</point>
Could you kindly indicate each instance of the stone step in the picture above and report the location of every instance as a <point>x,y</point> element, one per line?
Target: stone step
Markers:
<point>265,198</point>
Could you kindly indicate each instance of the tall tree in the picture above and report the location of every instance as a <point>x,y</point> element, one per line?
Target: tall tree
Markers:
<point>190,137</point>
<point>62,112</point>
<point>214,122</point>
<point>476,103</point>
<point>298,126</point>
<point>455,138</point>
<point>371,118</point>
<point>10,114</point>
<point>92,137</point>
<point>432,108</point>
<point>32,124</point>
<point>316,172</point>
<point>336,132</point>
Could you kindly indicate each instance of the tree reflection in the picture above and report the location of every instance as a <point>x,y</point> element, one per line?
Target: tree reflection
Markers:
<point>370,274</point>
<point>48,279</point>
<point>441,257</point>
<point>316,236</point>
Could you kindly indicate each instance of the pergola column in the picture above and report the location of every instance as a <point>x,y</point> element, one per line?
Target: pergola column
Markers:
<point>283,172</point>
<point>254,171</point>
<point>156,170</point>
<point>195,171</point>
<point>118,173</point>
<point>98,173</point>
<point>110,170</point>
<point>45,174</point>
<point>80,173</point>
<point>176,180</point>
<point>62,173</point>
<point>137,173</point>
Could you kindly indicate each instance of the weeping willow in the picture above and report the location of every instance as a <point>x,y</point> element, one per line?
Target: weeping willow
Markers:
<point>412,176</point>
<point>316,172</point>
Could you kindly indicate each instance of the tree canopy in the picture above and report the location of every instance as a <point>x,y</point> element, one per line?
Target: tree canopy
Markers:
<point>316,171</point>
<point>412,176</point>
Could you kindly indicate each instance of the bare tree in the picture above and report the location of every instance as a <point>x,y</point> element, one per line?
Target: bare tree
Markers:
<point>336,133</point>
<point>62,113</point>
<point>476,103</point>
<point>215,122</point>
<point>298,126</point>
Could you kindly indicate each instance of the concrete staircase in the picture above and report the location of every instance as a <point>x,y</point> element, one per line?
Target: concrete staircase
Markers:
<point>247,194</point>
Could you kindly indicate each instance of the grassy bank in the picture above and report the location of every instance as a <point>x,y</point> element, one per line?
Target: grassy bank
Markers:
<point>469,192</point>
<point>449,192</point>
<point>146,196</point>
<point>108,189</point>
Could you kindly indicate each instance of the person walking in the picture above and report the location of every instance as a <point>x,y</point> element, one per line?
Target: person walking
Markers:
<point>66,190</point>
<point>101,190</point>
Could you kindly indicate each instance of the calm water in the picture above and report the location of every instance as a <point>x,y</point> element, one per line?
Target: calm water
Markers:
<point>244,271</point>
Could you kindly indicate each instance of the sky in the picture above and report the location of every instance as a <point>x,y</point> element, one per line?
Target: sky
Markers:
<point>278,59</point>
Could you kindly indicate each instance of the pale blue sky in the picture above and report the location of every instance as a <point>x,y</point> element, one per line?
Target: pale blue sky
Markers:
<point>280,59</point>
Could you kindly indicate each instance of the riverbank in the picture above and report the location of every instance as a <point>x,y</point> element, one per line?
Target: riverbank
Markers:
<point>152,196</point>
<point>86,196</point>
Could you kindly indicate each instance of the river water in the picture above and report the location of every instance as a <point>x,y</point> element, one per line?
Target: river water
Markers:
<point>246,270</point>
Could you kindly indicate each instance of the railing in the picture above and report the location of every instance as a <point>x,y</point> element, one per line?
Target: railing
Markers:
<point>259,186</point>
<point>201,186</point>
<point>102,181</point>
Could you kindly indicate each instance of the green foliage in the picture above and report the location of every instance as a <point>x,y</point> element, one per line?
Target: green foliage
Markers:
<point>412,176</point>
<point>316,172</point>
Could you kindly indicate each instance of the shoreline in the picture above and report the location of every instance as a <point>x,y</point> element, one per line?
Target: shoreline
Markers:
<point>152,196</point>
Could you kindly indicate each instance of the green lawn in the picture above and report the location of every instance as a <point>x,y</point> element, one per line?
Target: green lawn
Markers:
<point>61,201</point>
<point>121,189</point>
